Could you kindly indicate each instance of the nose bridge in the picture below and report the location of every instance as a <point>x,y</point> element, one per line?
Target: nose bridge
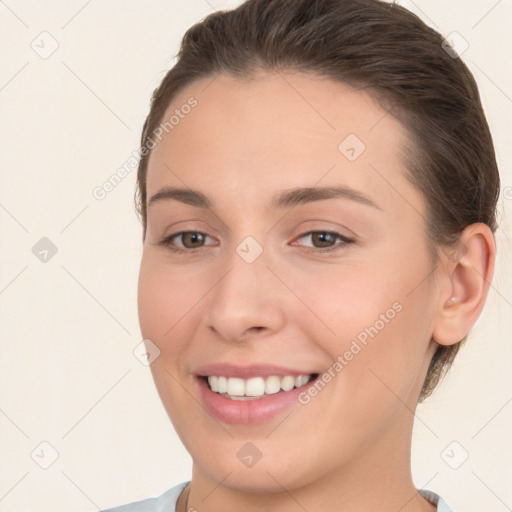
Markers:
<point>245,298</point>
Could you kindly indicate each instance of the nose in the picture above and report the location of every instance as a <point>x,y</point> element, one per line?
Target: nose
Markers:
<point>247,302</point>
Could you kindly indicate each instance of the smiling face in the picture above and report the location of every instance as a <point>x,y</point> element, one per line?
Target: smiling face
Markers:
<point>274,280</point>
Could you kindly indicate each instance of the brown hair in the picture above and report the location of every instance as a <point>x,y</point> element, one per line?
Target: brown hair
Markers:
<point>369,44</point>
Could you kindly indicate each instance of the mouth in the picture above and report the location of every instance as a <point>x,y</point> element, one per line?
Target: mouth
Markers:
<point>255,388</point>
<point>250,394</point>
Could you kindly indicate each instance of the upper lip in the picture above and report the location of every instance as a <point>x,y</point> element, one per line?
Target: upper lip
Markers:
<point>246,372</point>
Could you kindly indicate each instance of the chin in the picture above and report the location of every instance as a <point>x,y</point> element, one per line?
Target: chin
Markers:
<point>268,474</point>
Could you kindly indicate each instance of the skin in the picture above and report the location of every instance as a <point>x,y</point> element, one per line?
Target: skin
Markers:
<point>349,447</point>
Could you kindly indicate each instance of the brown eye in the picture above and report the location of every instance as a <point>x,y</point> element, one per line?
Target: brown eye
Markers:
<point>323,239</point>
<point>185,240</point>
<point>192,239</point>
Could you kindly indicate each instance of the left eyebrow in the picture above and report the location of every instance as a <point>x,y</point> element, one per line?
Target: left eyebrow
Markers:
<point>286,198</point>
<point>297,196</point>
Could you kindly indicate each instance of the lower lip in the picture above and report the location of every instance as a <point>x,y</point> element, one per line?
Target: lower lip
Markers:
<point>244,412</point>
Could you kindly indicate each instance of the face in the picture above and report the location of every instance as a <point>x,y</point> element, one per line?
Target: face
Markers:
<point>254,279</point>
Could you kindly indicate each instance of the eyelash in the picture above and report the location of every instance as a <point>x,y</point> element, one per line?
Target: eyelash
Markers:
<point>167,242</point>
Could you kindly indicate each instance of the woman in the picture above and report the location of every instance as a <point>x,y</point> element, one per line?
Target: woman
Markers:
<point>317,189</point>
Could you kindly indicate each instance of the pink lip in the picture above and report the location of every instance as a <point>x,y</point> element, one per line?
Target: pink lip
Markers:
<point>248,411</point>
<point>246,372</point>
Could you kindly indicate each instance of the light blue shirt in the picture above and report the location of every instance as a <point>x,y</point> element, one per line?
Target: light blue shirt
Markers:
<point>167,502</point>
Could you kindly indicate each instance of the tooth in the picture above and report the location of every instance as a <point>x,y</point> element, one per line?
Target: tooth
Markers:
<point>272,385</point>
<point>255,386</point>
<point>287,383</point>
<point>222,384</point>
<point>303,380</point>
<point>213,381</point>
<point>236,387</point>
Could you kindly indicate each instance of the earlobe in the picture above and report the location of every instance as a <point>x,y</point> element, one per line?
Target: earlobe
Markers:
<point>469,272</point>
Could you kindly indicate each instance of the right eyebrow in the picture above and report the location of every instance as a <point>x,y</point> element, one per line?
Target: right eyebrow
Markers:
<point>184,195</point>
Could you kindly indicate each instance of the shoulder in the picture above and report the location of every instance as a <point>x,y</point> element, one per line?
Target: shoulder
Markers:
<point>164,503</point>
<point>436,500</point>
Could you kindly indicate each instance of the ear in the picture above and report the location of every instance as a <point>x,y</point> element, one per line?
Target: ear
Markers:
<point>468,271</point>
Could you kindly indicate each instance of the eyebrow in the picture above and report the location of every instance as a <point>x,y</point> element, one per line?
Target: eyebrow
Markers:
<point>298,196</point>
<point>184,195</point>
<point>287,198</point>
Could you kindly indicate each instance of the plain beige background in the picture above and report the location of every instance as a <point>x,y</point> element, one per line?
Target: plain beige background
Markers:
<point>75,81</point>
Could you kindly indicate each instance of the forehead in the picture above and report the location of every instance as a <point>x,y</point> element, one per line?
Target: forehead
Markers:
<point>276,131</point>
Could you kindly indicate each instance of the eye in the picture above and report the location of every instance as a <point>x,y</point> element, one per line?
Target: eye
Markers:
<point>324,241</point>
<point>190,240</point>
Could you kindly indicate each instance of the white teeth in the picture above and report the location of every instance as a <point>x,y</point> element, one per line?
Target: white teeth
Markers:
<point>239,389</point>
<point>255,386</point>
<point>214,383</point>
<point>272,385</point>
<point>299,381</point>
<point>236,387</point>
<point>287,383</point>
<point>222,384</point>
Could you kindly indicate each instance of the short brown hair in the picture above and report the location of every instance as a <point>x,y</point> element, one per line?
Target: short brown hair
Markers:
<point>367,44</point>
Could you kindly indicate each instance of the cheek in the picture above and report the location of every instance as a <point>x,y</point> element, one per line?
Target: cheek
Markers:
<point>165,307</point>
<point>165,296</point>
<point>169,309</point>
<point>381,323</point>
<point>352,301</point>
<point>149,298</point>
